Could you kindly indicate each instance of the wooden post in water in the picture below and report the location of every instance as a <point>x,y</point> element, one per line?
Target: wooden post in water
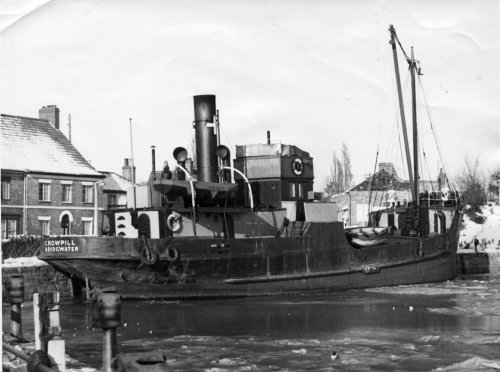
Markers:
<point>56,348</point>
<point>15,292</point>
<point>37,317</point>
<point>109,307</point>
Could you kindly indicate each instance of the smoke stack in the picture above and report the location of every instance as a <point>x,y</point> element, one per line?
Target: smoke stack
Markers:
<point>206,140</point>
<point>153,161</point>
<point>50,113</point>
<point>268,137</point>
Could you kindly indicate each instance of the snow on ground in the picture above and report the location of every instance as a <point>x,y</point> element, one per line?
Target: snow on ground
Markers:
<point>488,233</point>
<point>23,262</point>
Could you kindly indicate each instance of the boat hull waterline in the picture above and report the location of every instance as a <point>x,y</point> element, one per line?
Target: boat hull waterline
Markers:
<point>320,260</point>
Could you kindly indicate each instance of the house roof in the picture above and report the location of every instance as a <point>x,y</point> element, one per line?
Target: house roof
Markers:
<point>115,183</point>
<point>34,145</point>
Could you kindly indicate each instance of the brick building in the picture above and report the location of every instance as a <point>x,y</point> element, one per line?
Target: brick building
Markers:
<point>48,188</point>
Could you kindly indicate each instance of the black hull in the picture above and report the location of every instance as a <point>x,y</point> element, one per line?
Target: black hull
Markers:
<point>321,260</point>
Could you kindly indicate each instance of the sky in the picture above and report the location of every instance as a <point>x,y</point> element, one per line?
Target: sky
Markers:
<point>316,74</point>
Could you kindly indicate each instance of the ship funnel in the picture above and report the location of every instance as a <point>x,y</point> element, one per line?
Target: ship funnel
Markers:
<point>206,140</point>
<point>180,155</point>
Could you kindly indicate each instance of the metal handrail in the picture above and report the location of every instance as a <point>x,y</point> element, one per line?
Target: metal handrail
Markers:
<point>25,357</point>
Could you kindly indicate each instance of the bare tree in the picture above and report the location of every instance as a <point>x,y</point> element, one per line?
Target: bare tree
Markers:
<point>472,184</point>
<point>340,178</point>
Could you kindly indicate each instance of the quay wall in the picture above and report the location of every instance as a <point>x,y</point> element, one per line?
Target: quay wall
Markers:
<point>39,279</point>
<point>478,263</point>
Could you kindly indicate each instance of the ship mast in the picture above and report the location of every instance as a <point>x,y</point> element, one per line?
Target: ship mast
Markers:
<point>401,107</point>
<point>413,66</point>
<point>413,174</point>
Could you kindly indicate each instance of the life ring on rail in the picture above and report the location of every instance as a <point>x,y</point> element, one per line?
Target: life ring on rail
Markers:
<point>420,250</point>
<point>147,255</point>
<point>174,222</point>
<point>172,253</point>
<point>297,167</point>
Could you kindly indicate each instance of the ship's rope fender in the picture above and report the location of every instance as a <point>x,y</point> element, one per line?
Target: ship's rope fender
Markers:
<point>172,253</point>
<point>147,255</point>
<point>419,251</point>
<point>174,222</point>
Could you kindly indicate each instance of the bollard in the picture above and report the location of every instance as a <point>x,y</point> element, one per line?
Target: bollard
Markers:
<point>109,307</point>
<point>15,292</point>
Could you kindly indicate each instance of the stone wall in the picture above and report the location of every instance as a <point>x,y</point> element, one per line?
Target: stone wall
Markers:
<point>39,279</point>
<point>478,263</point>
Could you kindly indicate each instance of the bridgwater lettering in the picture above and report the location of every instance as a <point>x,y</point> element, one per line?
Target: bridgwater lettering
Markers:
<point>63,245</point>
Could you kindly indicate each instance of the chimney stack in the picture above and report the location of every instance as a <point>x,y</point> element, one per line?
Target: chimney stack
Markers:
<point>127,170</point>
<point>50,113</point>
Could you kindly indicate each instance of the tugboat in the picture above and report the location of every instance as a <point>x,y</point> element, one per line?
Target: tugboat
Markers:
<point>251,229</point>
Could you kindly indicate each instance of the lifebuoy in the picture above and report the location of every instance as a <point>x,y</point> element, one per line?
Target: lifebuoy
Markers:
<point>174,222</point>
<point>297,167</point>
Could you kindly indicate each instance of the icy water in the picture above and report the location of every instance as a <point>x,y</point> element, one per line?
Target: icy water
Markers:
<point>452,326</point>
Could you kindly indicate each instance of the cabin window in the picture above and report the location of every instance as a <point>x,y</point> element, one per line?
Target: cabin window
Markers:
<point>296,190</point>
<point>44,191</point>
<point>5,188</point>
<point>67,193</point>
<point>390,220</point>
<point>9,227</point>
<point>88,194</point>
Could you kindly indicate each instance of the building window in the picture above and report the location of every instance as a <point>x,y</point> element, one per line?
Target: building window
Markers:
<point>65,224</point>
<point>9,227</point>
<point>5,188</point>
<point>88,194</point>
<point>44,191</point>
<point>292,190</point>
<point>67,193</point>
<point>44,225</point>
<point>88,225</point>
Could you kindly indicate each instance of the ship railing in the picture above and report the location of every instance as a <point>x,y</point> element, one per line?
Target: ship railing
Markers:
<point>113,207</point>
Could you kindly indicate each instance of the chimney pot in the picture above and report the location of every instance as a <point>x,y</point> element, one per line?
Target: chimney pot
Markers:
<point>50,113</point>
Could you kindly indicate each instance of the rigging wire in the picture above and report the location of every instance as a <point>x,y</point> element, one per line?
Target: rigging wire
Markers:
<point>436,140</point>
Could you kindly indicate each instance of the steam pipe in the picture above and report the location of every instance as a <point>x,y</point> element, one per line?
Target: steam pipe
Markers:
<point>249,193</point>
<point>193,194</point>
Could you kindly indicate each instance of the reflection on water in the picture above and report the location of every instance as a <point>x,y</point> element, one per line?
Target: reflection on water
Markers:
<point>445,326</point>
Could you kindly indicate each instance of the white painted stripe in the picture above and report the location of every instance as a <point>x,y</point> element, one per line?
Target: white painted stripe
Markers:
<point>52,207</point>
